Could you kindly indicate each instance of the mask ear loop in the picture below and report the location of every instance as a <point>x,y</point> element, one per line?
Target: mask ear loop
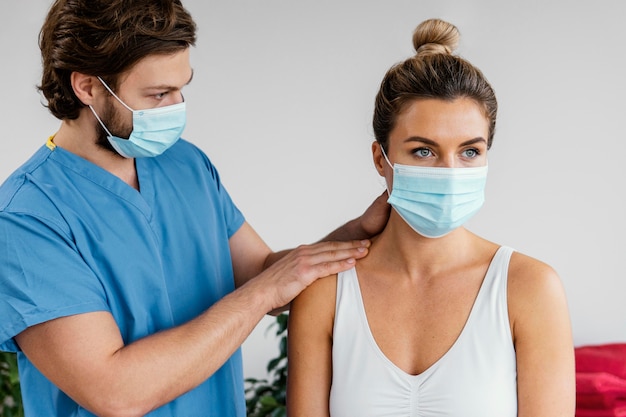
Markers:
<point>388,163</point>
<point>99,120</point>
<point>113,94</point>
<point>385,155</point>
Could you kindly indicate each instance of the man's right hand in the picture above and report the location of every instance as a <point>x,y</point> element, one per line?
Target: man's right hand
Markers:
<point>298,268</point>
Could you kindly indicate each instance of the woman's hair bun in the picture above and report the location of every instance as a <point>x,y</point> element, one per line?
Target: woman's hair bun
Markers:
<point>435,36</point>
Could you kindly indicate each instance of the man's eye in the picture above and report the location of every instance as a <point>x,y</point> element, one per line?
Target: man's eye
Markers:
<point>160,95</point>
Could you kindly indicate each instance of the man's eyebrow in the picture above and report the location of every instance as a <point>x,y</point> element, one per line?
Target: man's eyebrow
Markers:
<point>433,143</point>
<point>168,87</point>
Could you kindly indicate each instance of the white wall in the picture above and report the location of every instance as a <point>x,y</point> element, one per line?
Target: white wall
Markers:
<point>282,98</point>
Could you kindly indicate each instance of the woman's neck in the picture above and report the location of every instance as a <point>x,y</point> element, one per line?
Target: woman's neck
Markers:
<point>401,249</point>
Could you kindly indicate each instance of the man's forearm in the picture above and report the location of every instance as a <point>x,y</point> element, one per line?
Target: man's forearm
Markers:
<point>95,368</point>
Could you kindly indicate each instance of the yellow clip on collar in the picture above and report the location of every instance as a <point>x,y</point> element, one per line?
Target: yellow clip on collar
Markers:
<point>50,143</point>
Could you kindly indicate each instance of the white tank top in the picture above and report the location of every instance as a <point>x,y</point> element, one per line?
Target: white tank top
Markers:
<point>475,378</point>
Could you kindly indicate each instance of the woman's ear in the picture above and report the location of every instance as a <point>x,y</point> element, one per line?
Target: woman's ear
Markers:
<point>83,86</point>
<point>379,158</point>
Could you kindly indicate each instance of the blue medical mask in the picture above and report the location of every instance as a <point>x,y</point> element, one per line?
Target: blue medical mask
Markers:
<point>154,130</point>
<point>435,201</point>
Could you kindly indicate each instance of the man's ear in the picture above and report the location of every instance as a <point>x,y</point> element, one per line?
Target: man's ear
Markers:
<point>379,159</point>
<point>84,87</point>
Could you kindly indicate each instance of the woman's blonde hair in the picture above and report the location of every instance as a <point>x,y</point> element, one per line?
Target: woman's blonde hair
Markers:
<point>433,72</point>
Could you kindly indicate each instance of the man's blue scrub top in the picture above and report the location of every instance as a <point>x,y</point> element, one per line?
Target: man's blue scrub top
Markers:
<point>75,239</point>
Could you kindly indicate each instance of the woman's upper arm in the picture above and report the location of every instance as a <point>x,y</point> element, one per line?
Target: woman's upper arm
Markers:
<point>543,340</point>
<point>310,349</point>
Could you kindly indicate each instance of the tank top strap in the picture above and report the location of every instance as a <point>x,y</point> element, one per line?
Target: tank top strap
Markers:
<point>498,271</point>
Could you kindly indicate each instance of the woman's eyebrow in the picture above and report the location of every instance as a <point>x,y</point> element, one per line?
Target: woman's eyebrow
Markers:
<point>420,139</point>
<point>433,143</point>
<point>475,140</point>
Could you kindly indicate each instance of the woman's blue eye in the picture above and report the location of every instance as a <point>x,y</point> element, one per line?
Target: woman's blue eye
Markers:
<point>471,153</point>
<point>422,152</point>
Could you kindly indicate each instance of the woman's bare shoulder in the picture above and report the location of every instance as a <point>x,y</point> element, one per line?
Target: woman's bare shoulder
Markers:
<point>322,288</point>
<point>534,289</point>
<point>318,298</point>
<point>526,272</point>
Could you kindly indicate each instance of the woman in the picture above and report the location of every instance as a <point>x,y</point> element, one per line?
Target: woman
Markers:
<point>435,321</point>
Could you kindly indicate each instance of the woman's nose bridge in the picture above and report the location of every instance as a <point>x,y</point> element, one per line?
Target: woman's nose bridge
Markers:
<point>447,160</point>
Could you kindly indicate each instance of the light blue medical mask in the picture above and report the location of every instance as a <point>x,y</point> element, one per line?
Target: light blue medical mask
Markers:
<point>435,201</point>
<point>154,130</point>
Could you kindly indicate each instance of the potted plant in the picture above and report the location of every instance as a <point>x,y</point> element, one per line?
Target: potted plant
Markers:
<point>10,395</point>
<point>266,397</point>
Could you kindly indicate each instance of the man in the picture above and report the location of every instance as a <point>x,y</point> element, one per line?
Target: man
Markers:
<point>129,278</point>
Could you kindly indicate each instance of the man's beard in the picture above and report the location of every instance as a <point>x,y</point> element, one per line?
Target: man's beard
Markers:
<point>111,119</point>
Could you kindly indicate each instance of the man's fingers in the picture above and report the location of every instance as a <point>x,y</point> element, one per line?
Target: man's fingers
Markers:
<point>333,267</point>
<point>332,246</point>
<point>329,261</point>
<point>331,252</point>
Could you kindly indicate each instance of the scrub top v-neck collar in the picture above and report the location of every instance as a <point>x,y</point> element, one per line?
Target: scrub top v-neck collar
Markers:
<point>140,199</point>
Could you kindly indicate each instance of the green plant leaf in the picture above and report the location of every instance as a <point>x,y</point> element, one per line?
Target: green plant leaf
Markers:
<point>283,347</point>
<point>267,397</point>
<point>268,401</point>
<point>10,394</point>
<point>282,320</point>
<point>279,412</point>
